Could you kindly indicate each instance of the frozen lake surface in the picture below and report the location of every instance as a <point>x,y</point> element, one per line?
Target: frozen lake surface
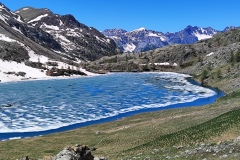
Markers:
<point>33,108</point>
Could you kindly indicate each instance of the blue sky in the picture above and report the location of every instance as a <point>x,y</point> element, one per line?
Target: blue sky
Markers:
<point>159,15</point>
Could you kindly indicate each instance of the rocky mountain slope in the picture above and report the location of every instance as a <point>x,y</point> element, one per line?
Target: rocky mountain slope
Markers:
<point>143,39</point>
<point>77,41</point>
<point>35,39</point>
<point>62,35</point>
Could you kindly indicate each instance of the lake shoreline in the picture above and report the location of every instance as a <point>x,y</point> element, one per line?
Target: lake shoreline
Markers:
<point>198,102</point>
<point>117,138</point>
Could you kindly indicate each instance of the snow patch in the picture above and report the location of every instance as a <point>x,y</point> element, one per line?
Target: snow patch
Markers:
<point>2,6</point>
<point>37,58</point>
<point>74,34</point>
<point>15,138</point>
<point>162,64</point>
<point>208,55</point>
<point>17,29</point>
<point>129,47</point>
<point>202,36</point>
<point>155,35</point>
<point>38,18</point>
<point>61,23</point>
<point>19,19</point>
<point>50,27</point>
<point>31,73</point>
<point>5,38</point>
<point>139,29</point>
<point>25,9</point>
<point>62,38</point>
<point>57,51</point>
<point>2,18</point>
<point>18,67</point>
<point>102,39</point>
<point>115,37</point>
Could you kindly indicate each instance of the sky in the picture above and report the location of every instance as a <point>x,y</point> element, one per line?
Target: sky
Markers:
<point>159,15</point>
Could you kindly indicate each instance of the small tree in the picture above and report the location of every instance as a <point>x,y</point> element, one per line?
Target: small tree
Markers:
<point>209,66</point>
<point>209,44</point>
<point>203,76</point>
<point>231,60</point>
<point>126,57</point>
<point>228,69</point>
<point>218,74</point>
<point>237,56</point>
<point>200,58</point>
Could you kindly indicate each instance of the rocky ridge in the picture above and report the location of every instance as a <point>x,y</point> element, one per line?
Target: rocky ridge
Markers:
<point>77,41</point>
<point>142,39</point>
<point>54,35</point>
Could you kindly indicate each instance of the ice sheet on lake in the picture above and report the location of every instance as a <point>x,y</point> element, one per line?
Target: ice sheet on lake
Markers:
<point>47,105</point>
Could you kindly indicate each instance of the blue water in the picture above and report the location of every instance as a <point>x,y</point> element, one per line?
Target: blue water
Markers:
<point>49,106</point>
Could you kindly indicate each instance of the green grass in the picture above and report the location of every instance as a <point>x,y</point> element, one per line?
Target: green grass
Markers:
<point>193,135</point>
<point>230,96</point>
<point>198,133</point>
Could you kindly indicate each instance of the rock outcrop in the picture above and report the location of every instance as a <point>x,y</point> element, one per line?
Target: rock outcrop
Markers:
<point>79,152</point>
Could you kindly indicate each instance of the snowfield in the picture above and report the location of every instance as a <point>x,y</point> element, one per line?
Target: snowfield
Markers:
<point>31,73</point>
<point>18,67</point>
<point>7,68</point>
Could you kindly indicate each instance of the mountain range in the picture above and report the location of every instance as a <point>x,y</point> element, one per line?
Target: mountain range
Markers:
<point>143,39</point>
<point>37,40</point>
<point>43,40</point>
<point>60,35</point>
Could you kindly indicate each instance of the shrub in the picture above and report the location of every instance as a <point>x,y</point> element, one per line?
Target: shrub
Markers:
<point>237,56</point>
<point>203,76</point>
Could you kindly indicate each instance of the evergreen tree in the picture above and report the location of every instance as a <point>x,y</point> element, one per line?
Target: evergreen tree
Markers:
<point>231,60</point>
<point>237,56</point>
<point>218,74</point>
<point>203,75</point>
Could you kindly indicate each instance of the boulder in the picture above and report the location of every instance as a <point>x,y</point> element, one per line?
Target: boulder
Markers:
<point>67,154</point>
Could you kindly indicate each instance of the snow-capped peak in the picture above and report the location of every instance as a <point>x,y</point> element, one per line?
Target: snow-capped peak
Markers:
<point>202,36</point>
<point>229,28</point>
<point>2,6</point>
<point>145,39</point>
<point>129,47</point>
<point>204,33</point>
<point>139,29</point>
